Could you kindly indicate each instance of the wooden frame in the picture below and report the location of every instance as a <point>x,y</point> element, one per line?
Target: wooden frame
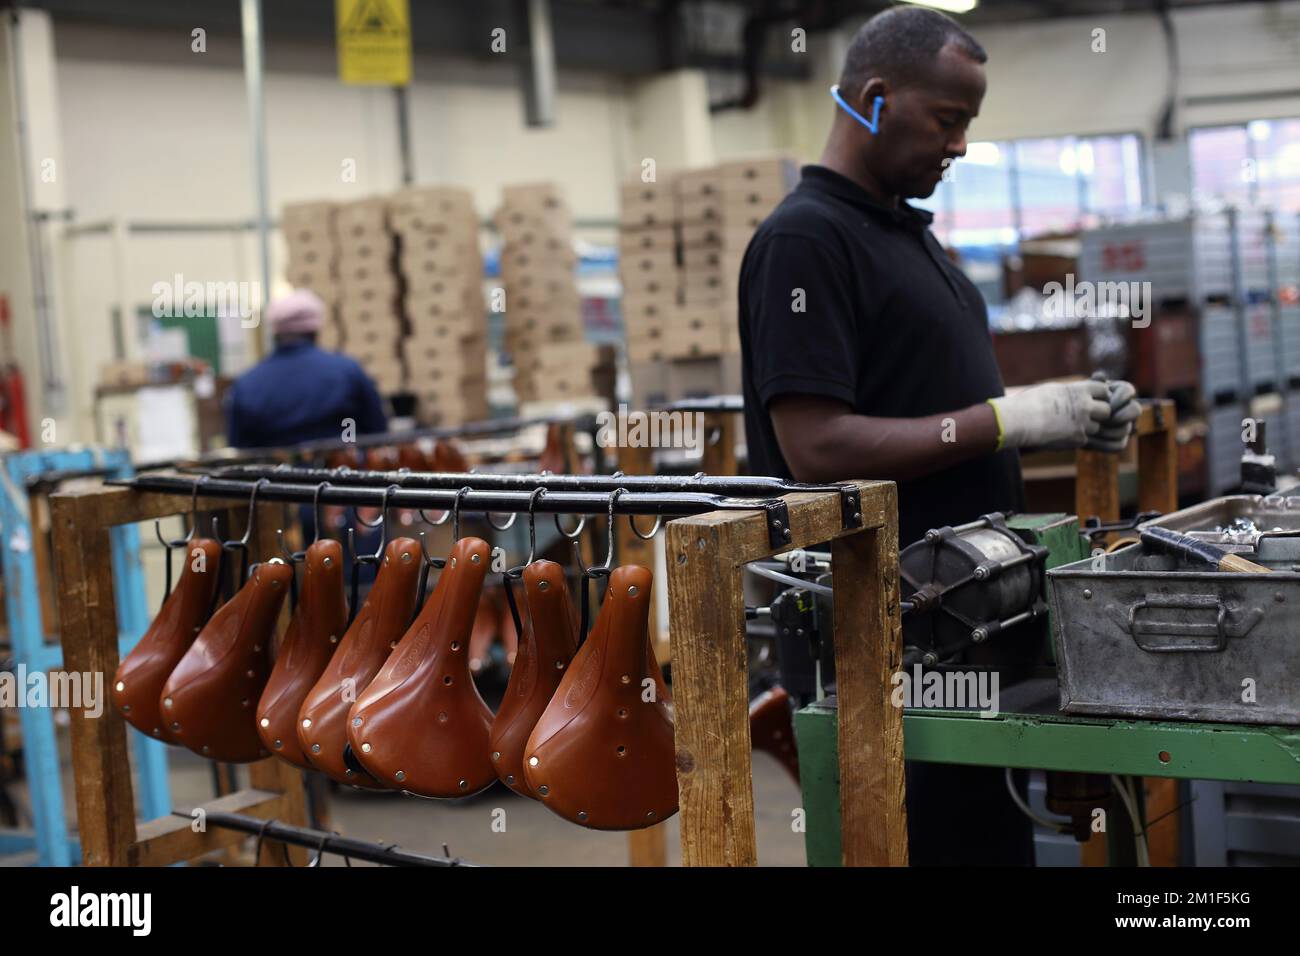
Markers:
<point>106,819</point>
<point>706,559</point>
<point>1096,488</point>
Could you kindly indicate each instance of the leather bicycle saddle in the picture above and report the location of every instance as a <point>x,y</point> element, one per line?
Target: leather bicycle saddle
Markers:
<point>771,727</point>
<point>314,632</point>
<point>447,456</point>
<point>547,645</point>
<point>421,725</point>
<point>138,684</point>
<point>553,457</point>
<point>483,634</point>
<point>322,721</point>
<point>208,701</point>
<point>601,755</point>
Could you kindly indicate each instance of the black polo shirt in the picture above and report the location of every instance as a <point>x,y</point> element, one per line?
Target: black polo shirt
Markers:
<point>888,325</point>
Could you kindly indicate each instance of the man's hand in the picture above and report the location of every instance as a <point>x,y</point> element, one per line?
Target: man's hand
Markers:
<point>1124,411</point>
<point>1054,415</point>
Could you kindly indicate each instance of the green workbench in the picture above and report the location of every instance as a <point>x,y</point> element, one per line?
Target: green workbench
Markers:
<point>1032,735</point>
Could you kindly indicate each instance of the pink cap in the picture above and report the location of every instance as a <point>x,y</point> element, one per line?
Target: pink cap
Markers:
<point>299,312</point>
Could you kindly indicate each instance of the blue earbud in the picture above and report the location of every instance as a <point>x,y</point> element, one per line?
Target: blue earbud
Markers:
<point>872,124</point>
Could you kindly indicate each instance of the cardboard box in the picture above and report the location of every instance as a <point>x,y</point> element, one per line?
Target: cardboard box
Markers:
<point>657,262</point>
<point>703,209</point>
<point>649,383</point>
<point>559,298</point>
<point>779,170</point>
<point>692,333</point>
<point>442,247</point>
<point>322,281</point>
<point>647,349</point>
<point>377,335</point>
<point>641,310</point>
<point>354,220</point>
<point>426,208</point>
<point>308,222</point>
<point>653,284</point>
<point>696,184</point>
<point>542,251</point>
<point>648,204</point>
<point>452,305</point>
<point>330,337</point>
<point>368,273</point>
<point>703,377</point>
<point>660,238</point>
<point>352,312</point>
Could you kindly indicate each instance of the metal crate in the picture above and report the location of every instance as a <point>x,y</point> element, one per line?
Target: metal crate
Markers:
<point>1220,352</point>
<point>1149,636</point>
<point>1289,326</point>
<point>1223,448</point>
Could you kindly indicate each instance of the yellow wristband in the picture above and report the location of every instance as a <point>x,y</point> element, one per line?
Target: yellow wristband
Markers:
<point>1002,435</point>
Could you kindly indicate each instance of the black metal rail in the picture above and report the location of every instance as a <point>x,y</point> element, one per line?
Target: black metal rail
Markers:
<point>465,498</point>
<point>322,842</point>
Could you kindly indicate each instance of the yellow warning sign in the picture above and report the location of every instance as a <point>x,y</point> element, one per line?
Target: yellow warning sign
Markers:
<point>374,41</point>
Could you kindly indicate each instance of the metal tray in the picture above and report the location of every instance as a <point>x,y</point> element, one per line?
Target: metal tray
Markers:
<point>1270,515</point>
<point>1149,636</point>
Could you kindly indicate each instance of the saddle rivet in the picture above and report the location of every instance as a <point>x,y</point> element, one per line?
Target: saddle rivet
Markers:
<point>385,559</point>
<point>328,562</point>
<point>532,761</point>
<point>205,748</point>
<point>650,815</point>
<point>244,703</point>
<point>510,779</point>
<point>442,716</point>
<point>475,558</point>
<point>543,790</point>
<point>334,638</point>
<point>365,748</point>
<point>356,721</point>
<point>120,687</point>
<point>252,674</point>
<point>559,665</point>
<point>266,722</point>
<point>406,557</point>
<point>633,590</point>
<point>400,775</point>
<point>582,815</point>
<point>277,743</point>
<point>257,648</point>
<point>543,585</point>
<point>158,731</point>
<point>176,725</point>
<point>625,679</point>
<point>126,708</point>
<point>622,750</point>
<point>464,784</point>
<point>167,701</point>
<point>453,562</point>
<point>347,773</point>
<point>496,755</point>
<point>315,748</point>
<point>455,645</point>
<point>275,584</point>
<point>306,723</point>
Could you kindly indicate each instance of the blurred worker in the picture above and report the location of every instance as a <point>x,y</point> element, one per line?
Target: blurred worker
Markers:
<point>867,354</point>
<point>300,392</point>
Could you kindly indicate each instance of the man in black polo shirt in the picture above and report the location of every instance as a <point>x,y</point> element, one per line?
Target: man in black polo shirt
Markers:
<point>866,352</point>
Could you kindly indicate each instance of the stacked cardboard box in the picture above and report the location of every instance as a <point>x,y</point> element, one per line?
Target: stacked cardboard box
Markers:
<point>446,347</point>
<point>368,291</point>
<point>313,253</point>
<point>544,328</point>
<point>652,283</point>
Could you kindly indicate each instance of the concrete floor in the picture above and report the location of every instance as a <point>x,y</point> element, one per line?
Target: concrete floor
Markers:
<point>533,836</point>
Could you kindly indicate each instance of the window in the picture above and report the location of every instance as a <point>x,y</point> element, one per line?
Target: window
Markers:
<point>1255,163</point>
<point>1001,192</point>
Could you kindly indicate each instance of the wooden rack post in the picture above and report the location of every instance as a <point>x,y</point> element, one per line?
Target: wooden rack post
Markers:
<point>706,559</point>
<point>109,833</point>
<point>1096,488</point>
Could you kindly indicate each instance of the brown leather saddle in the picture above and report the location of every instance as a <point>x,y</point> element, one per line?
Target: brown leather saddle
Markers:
<point>313,634</point>
<point>421,725</point>
<point>447,456</point>
<point>548,643</point>
<point>138,684</point>
<point>322,721</point>
<point>208,700</point>
<point>602,755</point>
<point>771,728</point>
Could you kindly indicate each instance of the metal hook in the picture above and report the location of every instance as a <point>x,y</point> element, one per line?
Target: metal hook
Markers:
<point>576,533</point>
<point>631,523</point>
<point>535,497</point>
<point>176,543</point>
<point>316,511</point>
<point>455,512</point>
<point>510,522</point>
<point>242,542</point>
<point>381,524</point>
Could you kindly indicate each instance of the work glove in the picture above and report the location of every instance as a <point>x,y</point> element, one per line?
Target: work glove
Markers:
<point>1124,411</point>
<point>1053,415</point>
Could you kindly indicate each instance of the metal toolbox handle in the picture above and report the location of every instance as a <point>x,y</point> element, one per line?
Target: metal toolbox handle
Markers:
<point>1185,636</point>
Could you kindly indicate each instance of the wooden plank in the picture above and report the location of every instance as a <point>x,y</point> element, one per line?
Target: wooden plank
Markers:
<point>648,847</point>
<point>1157,451</point>
<point>38,509</point>
<point>101,769</point>
<point>1096,486</point>
<point>868,652</point>
<point>171,839</point>
<point>719,456</point>
<point>710,689</point>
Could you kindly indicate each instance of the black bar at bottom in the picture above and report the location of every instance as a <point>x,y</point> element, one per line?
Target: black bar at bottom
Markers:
<point>388,855</point>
